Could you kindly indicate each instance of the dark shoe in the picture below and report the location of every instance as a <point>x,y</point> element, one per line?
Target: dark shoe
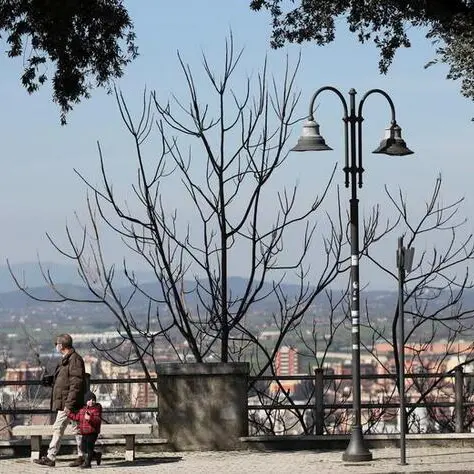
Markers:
<point>45,461</point>
<point>98,457</point>
<point>77,462</point>
<point>87,462</point>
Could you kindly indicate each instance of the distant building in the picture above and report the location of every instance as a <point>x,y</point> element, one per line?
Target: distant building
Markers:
<point>20,374</point>
<point>137,395</point>
<point>270,334</point>
<point>286,361</point>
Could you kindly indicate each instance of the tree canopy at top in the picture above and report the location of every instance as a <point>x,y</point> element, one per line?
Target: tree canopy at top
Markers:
<point>89,42</point>
<point>449,24</point>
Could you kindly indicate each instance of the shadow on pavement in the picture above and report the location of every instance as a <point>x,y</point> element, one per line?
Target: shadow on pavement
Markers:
<point>148,461</point>
<point>440,455</point>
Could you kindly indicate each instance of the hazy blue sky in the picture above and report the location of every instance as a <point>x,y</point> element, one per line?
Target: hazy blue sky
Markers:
<point>39,190</point>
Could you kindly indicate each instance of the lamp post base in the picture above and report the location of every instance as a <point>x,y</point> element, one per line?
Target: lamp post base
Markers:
<point>356,451</point>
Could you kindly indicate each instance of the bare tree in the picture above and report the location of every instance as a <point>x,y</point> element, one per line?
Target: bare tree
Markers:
<point>434,298</point>
<point>219,158</point>
<point>216,160</point>
<point>435,310</point>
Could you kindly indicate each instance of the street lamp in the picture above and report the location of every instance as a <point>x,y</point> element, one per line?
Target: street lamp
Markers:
<point>393,145</point>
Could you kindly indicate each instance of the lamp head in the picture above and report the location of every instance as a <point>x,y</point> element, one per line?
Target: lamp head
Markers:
<point>310,138</point>
<point>393,143</point>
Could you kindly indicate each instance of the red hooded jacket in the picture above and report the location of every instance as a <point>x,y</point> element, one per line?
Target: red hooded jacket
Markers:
<point>93,424</point>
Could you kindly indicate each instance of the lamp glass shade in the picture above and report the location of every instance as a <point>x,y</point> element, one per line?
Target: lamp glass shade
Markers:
<point>393,143</point>
<point>310,138</point>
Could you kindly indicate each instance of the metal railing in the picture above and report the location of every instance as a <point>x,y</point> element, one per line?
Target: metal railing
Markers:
<point>456,398</point>
<point>18,408</point>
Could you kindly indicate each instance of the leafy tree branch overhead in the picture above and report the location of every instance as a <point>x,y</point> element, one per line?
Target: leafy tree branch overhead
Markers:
<point>449,25</point>
<point>89,43</point>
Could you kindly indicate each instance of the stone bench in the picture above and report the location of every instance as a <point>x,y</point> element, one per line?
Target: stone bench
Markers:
<point>127,431</point>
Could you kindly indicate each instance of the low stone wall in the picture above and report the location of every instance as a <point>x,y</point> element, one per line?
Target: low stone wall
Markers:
<point>340,442</point>
<point>203,406</point>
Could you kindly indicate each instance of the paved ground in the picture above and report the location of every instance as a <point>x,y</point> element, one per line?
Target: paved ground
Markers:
<point>385,461</point>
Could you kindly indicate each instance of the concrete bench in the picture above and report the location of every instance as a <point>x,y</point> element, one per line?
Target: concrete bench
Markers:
<point>127,431</point>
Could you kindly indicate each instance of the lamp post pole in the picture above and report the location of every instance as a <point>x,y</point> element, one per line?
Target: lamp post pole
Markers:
<point>404,265</point>
<point>356,451</point>
<point>392,144</point>
<point>401,350</point>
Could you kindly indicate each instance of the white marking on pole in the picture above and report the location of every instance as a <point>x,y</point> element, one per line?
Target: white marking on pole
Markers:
<point>355,313</point>
<point>355,347</point>
<point>355,330</point>
<point>354,260</point>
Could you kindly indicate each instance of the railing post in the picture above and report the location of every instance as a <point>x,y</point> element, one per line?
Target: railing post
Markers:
<point>318,413</point>
<point>459,398</point>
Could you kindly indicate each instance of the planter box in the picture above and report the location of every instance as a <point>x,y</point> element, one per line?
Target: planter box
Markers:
<point>203,406</point>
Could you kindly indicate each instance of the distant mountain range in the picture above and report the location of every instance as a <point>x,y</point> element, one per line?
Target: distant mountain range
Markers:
<point>67,279</point>
<point>30,274</point>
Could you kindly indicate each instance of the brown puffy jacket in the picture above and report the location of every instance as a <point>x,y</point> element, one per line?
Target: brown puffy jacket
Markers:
<point>69,384</point>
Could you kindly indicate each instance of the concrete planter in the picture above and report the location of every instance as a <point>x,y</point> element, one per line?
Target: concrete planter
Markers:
<point>203,406</point>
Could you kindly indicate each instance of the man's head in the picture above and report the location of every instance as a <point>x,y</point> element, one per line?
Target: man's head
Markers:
<point>63,343</point>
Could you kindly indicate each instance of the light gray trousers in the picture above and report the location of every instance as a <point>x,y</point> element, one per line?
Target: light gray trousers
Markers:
<point>59,427</point>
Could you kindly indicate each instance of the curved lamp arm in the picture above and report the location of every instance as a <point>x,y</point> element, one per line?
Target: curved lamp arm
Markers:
<point>327,88</point>
<point>345,119</point>
<point>359,114</point>
<point>381,92</point>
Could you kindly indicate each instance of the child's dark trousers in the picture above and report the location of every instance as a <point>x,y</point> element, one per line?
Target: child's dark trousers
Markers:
<point>88,444</point>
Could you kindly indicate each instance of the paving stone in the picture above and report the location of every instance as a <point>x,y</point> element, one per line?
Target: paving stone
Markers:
<point>385,461</point>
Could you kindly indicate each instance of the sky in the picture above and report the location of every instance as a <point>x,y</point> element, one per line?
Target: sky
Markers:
<point>40,191</point>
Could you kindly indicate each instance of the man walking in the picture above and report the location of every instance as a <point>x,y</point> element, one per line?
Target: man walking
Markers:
<point>69,387</point>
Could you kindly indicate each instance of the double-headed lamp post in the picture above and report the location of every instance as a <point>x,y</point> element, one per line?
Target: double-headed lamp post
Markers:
<point>392,145</point>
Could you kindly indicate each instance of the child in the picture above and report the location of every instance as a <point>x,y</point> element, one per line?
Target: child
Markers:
<point>89,418</point>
